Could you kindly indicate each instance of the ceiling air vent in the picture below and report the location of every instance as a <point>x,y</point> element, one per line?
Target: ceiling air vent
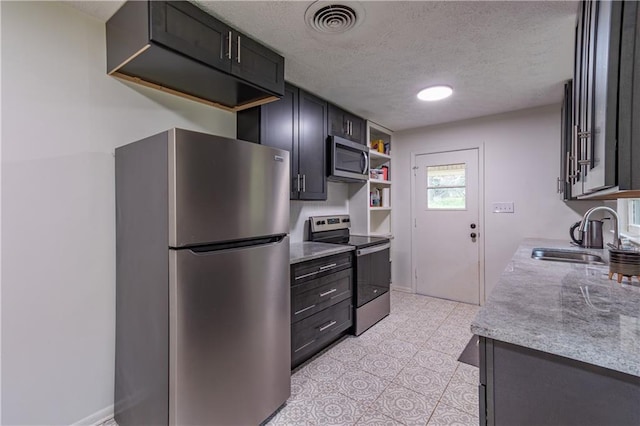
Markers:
<point>328,18</point>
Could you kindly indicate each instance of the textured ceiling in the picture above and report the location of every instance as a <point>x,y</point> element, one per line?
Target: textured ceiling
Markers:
<point>497,56</point>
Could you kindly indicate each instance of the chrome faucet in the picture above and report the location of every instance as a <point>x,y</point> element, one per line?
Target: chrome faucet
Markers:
<point>616,230</point>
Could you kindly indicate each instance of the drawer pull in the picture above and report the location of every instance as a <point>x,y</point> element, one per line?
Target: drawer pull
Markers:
<point>299,277</point>
<point>333,265</point>
<point>304,346</point>
<point>327,326</point>
<point>305,309</point>
<point>321,269</point>
<point>326,293</point>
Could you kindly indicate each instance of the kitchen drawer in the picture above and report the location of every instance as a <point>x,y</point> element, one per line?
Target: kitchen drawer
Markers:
<point>315,332</point>
<point>315,295</point>
<point>317,268</point>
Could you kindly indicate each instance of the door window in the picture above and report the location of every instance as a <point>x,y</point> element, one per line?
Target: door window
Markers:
<point>446,187</point>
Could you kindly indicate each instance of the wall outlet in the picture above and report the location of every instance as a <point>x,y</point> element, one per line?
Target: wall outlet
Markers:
<point>502,207</point>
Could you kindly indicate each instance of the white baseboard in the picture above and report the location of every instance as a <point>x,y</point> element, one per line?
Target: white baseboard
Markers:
<point>400,288</point>
<point>96,418</point>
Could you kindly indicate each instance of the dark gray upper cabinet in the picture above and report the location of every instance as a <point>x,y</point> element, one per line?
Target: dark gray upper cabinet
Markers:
<point>629,101</point>
<point>566,120</point>
<point>346,125</point>
<point>297,123</point>
<point>593,139</point>
<point>177,47</point>
<point>604,140</point>
<point>312,146</point>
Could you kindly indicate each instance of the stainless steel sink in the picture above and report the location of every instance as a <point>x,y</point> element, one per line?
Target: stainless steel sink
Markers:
<point>571,256</point>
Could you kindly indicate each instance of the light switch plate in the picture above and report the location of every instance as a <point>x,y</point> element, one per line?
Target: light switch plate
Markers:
<point>502,207</point>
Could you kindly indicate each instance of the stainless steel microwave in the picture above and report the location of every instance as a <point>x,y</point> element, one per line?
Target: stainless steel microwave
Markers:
<point>348,161</point>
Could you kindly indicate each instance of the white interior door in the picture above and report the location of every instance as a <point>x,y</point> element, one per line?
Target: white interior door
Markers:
<point>446,251</point>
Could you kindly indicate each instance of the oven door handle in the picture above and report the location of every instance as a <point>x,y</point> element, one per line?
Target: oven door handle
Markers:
<point>374,249</point>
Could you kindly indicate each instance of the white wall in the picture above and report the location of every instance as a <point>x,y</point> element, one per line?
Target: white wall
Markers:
<point>521,163</point>
<point>63,117</point>
<point>337,203</point>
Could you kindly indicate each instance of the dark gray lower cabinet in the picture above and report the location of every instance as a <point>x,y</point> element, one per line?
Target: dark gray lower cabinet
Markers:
<point>321,304</point>
<point>521,386</point>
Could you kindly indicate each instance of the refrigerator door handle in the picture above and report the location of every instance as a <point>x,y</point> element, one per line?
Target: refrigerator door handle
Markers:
<point>234,245</point>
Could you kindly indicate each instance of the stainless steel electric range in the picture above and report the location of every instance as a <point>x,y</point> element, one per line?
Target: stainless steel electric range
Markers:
<point>372,268</point>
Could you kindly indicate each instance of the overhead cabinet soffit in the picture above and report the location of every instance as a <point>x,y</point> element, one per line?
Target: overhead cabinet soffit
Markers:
<point>178,48</point>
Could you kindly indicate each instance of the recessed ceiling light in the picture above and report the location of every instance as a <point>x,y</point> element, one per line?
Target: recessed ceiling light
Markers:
<point>435,93</point>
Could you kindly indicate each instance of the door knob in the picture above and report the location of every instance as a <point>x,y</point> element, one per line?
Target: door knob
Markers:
<point>473,235</point>
<point>473,226</point>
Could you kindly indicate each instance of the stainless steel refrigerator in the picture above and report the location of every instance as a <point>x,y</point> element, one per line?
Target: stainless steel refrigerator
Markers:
<point>202,281</point>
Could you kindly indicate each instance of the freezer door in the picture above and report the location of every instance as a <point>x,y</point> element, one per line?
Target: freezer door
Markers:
<point>229,334</point>
<point>223,189</point>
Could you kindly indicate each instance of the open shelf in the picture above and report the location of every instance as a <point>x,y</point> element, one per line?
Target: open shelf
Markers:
<point>366,219</point>
<point>380,181</point>
<point>377,159</point>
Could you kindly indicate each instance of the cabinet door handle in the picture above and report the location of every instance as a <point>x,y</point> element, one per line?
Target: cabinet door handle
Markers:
<point>574,155</point>
<point>326,293</point>
<point>583,136</point>
<point>567,167</point>
<point>304,183</point>
<point>559,186</point>
<point>323,328</point>
<point>325,267</point>
<point>589,143</point>
<point>229,46</point>
<point>238,49</point>
<point>298,182</point>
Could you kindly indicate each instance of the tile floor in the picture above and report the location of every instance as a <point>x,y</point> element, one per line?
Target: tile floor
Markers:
<point>402,371</point>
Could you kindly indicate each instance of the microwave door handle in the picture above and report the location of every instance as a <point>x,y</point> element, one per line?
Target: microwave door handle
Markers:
<point>366,163</point>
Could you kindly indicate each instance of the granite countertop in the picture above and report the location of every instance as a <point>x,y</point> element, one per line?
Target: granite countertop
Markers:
<point>565,309</point>
<point>307,250</point>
